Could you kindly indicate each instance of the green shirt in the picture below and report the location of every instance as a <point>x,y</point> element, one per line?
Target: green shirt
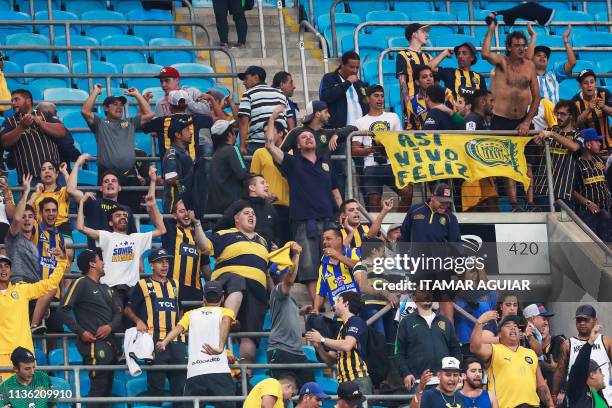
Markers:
<point>39,392</point>
<point>598,401</point>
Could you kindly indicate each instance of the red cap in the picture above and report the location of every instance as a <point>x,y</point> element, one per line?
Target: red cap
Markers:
<point>168,72</point>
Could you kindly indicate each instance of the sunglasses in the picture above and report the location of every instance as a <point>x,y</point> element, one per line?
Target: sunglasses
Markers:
<point>583,319</point>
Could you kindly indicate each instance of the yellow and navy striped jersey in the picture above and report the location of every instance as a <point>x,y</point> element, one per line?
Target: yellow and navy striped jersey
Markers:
<point>45,239</point>
<point>351,365</point>
<point>405,63</point>
<point>563,165</point>
<point>337,278</point>
<point>186,266</point>
<point>236,253</point>
<point>417,109</point>
<point>156,303</point>
<point>598,118</point>
<point>61,196</point>
<point>591,181</point>
<point>359,235</point>
<point>455,79</point>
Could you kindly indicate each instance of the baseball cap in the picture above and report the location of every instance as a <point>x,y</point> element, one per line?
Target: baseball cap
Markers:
<point>158,254</point>
<point>393,227</point>
<point>213,287</point>
<point>313,388</point>
<point>443,193</point>
<point>590,134</point>
<point>510,318</point>
<point>374,88</point>
<point>585,73</point>
<point>6,259</point>
<point>450,364</point>
<point>220,127</point>
<point>86,257</point>
<point>413,28</point>
<point>536,309</point>
<point>178,124</point>
<point>542,48</point>
<point>22,355</point>
<point>174,97</point>
<point>312,108</point>
<point>594,365</point>
<point>217,94</point>
<point>168,72</point>
<point>586,311</point>
<point>349,392</point>
<point>470,46</point>
<point>109,100</point>
<point>253,70</point>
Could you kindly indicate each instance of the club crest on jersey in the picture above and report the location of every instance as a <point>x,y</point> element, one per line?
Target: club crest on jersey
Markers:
<point>529,360</point>
<point>339,280</point>
<point>15,295</point>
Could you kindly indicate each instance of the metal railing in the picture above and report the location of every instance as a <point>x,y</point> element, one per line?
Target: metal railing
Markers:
<point>260,8</point>
<point>305,25</point>
<point>568,214</point>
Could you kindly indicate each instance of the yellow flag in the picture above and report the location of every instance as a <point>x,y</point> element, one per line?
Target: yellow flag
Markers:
<point>418,157</point>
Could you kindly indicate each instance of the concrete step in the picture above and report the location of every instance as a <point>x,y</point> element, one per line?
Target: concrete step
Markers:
<point>268,62</point>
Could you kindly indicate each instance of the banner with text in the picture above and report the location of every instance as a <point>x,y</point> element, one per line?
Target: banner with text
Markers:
<point>418,157</point>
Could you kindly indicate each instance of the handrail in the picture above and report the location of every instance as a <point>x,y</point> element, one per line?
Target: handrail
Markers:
<point>389,50</point>
<point>305,25</point>
<point>567,211</point>
<point>261,28</point>
<point>281,24</point>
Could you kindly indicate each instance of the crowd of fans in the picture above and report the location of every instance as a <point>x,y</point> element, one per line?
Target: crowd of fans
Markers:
<point>285,220</point>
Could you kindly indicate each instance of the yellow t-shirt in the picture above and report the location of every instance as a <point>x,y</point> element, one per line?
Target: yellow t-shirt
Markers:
<point>5,94</point>
<point>509,368</point>
<point>262,163</point>
<point>269,386</point>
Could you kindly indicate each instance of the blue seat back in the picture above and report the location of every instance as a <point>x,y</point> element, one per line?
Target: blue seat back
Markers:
<point>14,29</point>
<point>568,88</point>
<point>441,16</point>
<point>75,120</point>
<point>97,67</point>
<point>47,68</point>
<point>342,20</point>
<point>65,94</point>
<point>23,57</point>
<point>362,8</point>
<point>148,32</point>
<point>120,58</point>
<point>571,15</point>
<point>140,83</point>
<point>203,84</point>
<point>407,6</point>
<point>176,56</point>
<point>158,93</point>
<point>101,31</point>
<point>79,7</point>
<point>386,15</point>
<point>125,6</point>
<point>454,40</point>
<point>57,29</point>
<point>77,40</point>
<point>399,41</point>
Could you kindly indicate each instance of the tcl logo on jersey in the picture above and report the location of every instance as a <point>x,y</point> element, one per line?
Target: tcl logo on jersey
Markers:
<point>162,304</point>
<point>188,250</point>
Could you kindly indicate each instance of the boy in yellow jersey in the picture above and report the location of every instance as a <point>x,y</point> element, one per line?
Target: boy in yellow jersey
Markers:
<point>208,371</point>
<point>515,378</point>
<point>14,303</point>
<point>271,393</point>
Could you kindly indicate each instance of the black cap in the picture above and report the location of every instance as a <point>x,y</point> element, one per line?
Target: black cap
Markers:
<point>4,258</point>
<point>213,290</point>
<point>510,318</point>
<point>86,257</point>
<point>253,70</point>
<point>585,73</point>
<point>413,28</point>
<point>594,365</point>
<point>177,125</point>
<point>586,311</point>
<point>22,355</point>
<point>374,88</point>
<point>471,47</point>
<point>349,392</point>
<point>443,193</point>
<point>542,48</point>
<point>158,254</point>
<point>109,100</point>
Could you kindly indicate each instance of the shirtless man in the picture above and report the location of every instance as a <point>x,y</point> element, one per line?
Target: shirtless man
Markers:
<point>515,88</point>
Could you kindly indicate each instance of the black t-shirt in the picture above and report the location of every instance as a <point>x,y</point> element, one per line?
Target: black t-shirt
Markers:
<point>475,121</point>
<point>433,398</point>
<point>438,120</point>
<point>96,216</point>
<point>202,139</point>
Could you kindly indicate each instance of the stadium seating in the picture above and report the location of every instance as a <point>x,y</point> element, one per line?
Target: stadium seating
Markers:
<point>23,57</point>
<point>138,68</point>
<point>120,58</point>
<point>39,5</point>
<point>101,31</point>
<point>174,56</point>
<point>203,84</point>
<point>75,120</point>
<point>80,41</point>
<point>408,6</point>
<point>592,39</point>
<point>148,32</point>
<point>97,67</point>
<point>157,92</point>
<point>65,94</point>
<point>568,88</point>
<point>453,40</point>
<point>362,8</point>
<point>125,6</point>
<point>58,29</point>
<point>46,68</point>
<point>79,7</point>
<point>345,26</point>
<point>442,16</point>
<point>5,5</point>
<point>574,16</point>
<point>12,68</point>
<point>6,30</point>
<point>395,42</point>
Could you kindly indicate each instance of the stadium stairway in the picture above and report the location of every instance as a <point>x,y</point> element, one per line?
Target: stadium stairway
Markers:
<point>251,55</point>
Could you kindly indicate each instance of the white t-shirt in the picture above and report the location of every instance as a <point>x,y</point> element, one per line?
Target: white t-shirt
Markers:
<point>121,254</point>
<point>204,325</point>
<point>387,122</point>
<point>3,218</point>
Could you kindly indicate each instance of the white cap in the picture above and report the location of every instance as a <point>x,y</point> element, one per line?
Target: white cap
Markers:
<point>450,364</point>
<point>221,126</point>
<point>174,97</point>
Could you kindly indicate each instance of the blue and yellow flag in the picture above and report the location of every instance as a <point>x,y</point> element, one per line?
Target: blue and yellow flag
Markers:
<point>279,261</point>
<point>418,157</point>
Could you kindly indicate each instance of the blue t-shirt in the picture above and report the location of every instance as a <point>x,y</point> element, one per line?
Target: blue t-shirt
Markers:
<point>483,400</point>
<point>433,398</point>
<point>463,326</point>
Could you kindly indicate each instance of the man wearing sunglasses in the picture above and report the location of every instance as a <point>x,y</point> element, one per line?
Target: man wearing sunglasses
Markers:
<point>601,352</point>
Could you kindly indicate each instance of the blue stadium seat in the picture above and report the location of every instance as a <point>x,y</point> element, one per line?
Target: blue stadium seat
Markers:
<point>362,8</point>
<point>203,84</point>
<point>174,56</point>
<point>540,31</point>
<point>601,17</point>
<point>57,29</point>
<point>46,68</point>
<point>5,5</point>
<point>39,5</point>
<point>83,381</point>
<point>81,6</point>
<point>568,88</point>
<point>60,384</point>
<point>498,5</point>
<point>148,32</point>
<point>454,40</point>
<point>65,94</point>
<point>370,71</point>
<point>56,356</point>
<point>97,67</point>
<point>442,16</point>
<point>77,40</point>
<point>17,28</point>
<point>572,16</point>
<point>157,92</point>
<point>120,58</point>
<point>605,65</point>
<point>406,6</point>
<point>34,90</point>
<point>386,16</point>
<point>394,42</point>
<point>23,57</point>
<point>550,40</point>
<point>342,19</point>
<point>41,357</point>
<point>136,386</point>
<point>341,33</point>
<point>323,7</point>
<point>393,96</point>
<point>256,379</point>
<point>143,142</point>
<point>482,66</point>
<point>11,68</point>
<point>88,177</point>
<point>583,64</point>
<point>101,31</point>
<point>370,47</point>
<point>87,142</point>
<point>139,68</point>
<point>460,9</point>
<point>592,39</point>
<point>125,6</point>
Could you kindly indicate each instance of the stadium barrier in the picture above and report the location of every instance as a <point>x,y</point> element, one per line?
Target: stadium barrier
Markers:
<point>306,26</point>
